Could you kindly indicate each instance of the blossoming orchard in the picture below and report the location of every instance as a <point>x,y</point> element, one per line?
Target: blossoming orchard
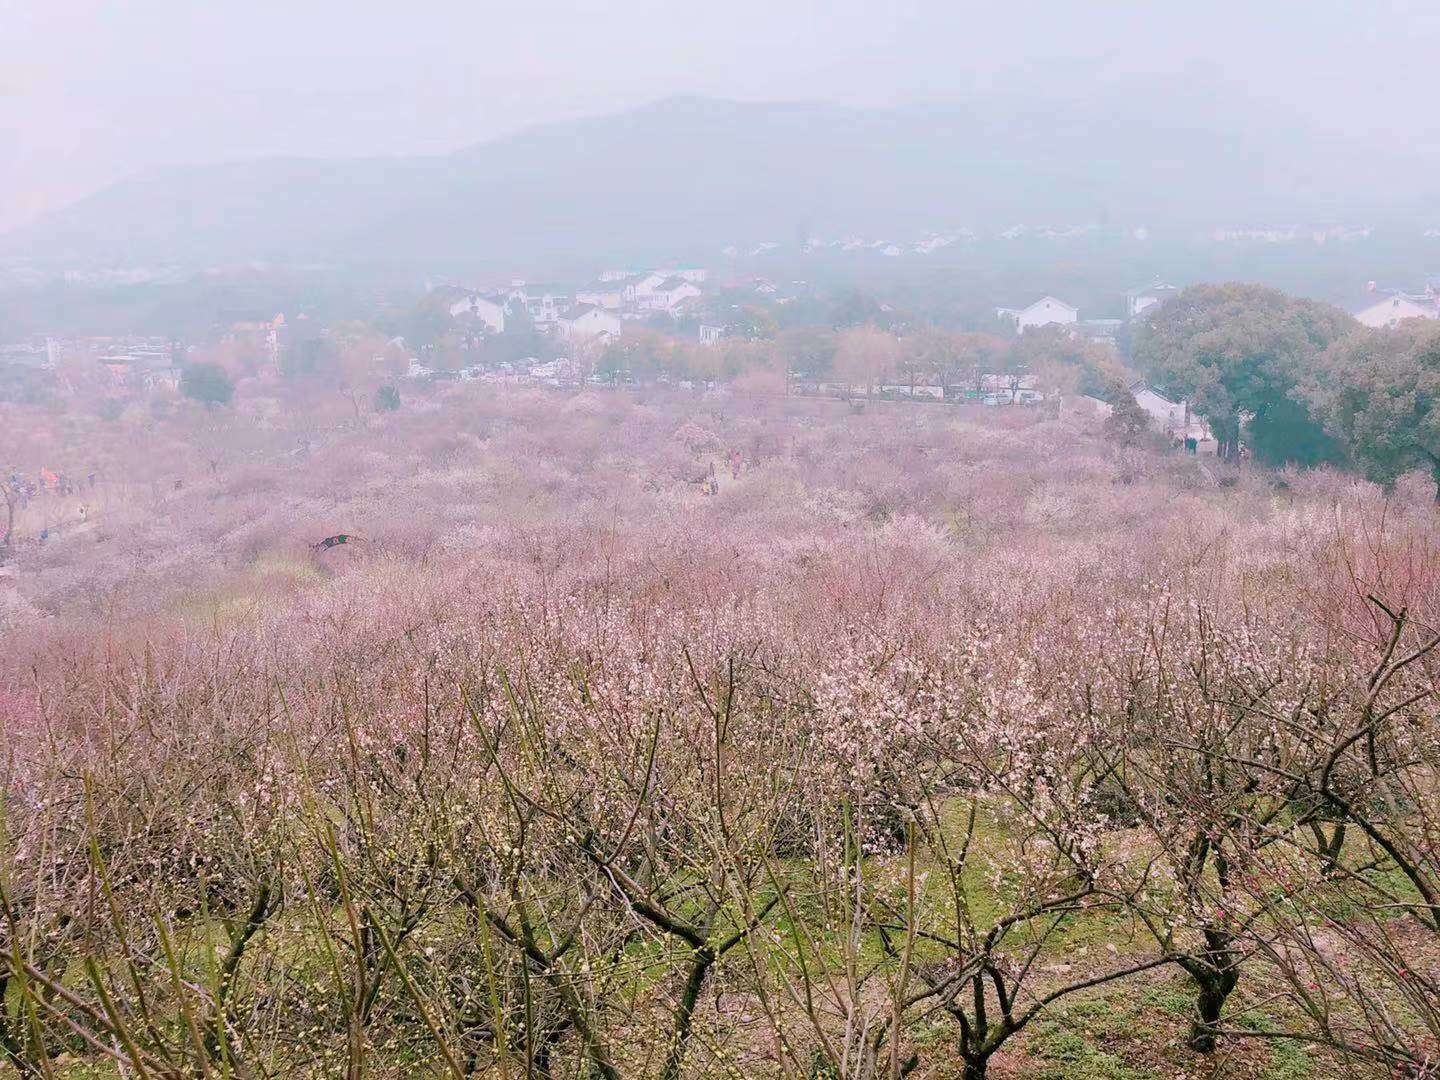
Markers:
<point>671,734</point>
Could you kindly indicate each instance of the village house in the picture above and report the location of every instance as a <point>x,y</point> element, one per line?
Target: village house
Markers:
<point>480,310</point>
<point>1047,311</point>
<point>1173,418</point>
<point>1385,310</point>
<point>711,335</point>
<point>1138,301</point>
<point>542,303</point>
<point>605,293</point>
<point>1101,331</point>
<point>639,289</point>
<point>1087,405</point>
<point>697,274</point>
<point>586,322</point>
<point>670,294</point>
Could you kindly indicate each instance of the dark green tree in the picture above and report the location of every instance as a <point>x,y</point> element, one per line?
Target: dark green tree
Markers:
<point>387,399</point>
<point>856,308</point>
<point>522,340</point>
<point>428,321</point>
<point>1379,394</point>
<point>1242,353</point>
<point>208,383</point>
<point>808,349</point>
<point>1127,422</point>
<point>308,355</point>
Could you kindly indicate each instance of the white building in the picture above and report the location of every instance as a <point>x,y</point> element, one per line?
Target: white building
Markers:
<point>1100,330</point>
<point>605,294</point>
<point>585,322</point>
<point>1086,405</point>
<point>1137,301</point>
<point>543,303</point>
<point>162,379</point>
<point>475,307</point>
<point>1173,418</point>
<point>1047,311</point>
<point>1387,311</point>
<point>670,294</point>
<point>696,275</point>
<point>711,335</point>
<point>639,289</point>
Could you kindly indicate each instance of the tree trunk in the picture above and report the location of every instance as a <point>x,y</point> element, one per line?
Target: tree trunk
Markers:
<point>976,1068</point>
<point>685,1013</point>
<point>1215,988</point>
<point>1226,430</point>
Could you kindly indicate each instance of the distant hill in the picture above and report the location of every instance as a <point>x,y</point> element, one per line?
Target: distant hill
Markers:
<point>692,175</point>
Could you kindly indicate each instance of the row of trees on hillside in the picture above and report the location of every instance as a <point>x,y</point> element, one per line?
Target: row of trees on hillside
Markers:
<point>1301,380</point>
<point>869,355</point>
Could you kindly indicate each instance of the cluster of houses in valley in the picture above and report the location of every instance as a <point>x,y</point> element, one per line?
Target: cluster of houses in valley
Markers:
<point>597,313</point>
<point>593,312</point>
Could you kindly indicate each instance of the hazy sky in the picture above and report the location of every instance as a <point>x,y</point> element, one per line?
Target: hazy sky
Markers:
<point>91,90</point>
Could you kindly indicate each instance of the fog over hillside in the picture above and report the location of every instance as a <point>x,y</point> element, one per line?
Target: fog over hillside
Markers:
<point>691,175</point>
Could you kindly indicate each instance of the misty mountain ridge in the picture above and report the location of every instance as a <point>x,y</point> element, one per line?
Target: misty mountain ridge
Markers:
<point>692,175</point>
